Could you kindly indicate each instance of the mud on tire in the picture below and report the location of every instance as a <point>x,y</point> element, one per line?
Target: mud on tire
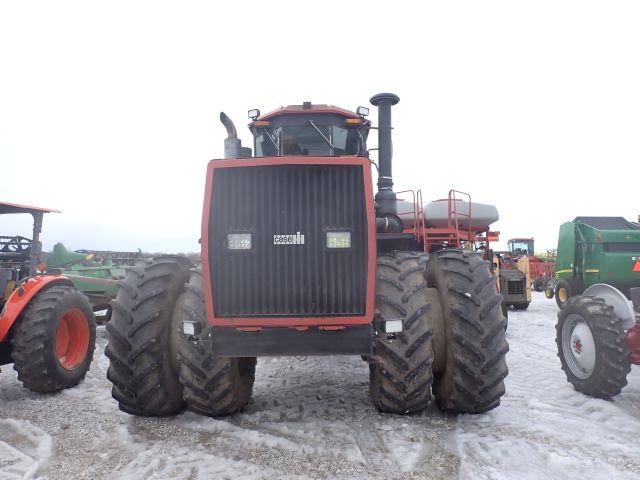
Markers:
<point>142,339</point>
<point>36,349</point>
<point>400,369</point>
<point>611,350</point>
<point>475,368</point>
<point>212,385</point>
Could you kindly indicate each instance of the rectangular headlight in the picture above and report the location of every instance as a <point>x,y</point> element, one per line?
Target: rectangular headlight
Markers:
<point>239,241</point>
<point>188,328</point>
<point>338,239</point>
<point>392,326</point>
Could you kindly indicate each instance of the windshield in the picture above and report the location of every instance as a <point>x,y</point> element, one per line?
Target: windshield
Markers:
<point>522,247</point>
<point>311,139</point>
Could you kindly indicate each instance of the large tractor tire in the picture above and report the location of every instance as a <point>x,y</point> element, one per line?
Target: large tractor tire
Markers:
<point>143,341</point>
<point>505,313</point>
<point>592,347</point>
<point>53,340</point>
<point>472,380</point>
<point>212,385</point>
<point>400,369</point>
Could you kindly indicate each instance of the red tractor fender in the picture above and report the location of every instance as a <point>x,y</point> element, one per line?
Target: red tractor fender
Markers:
<point>21,297</point>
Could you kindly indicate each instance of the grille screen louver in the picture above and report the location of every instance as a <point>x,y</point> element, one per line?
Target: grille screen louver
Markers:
<point>515,287</point>
<point>288,280</point>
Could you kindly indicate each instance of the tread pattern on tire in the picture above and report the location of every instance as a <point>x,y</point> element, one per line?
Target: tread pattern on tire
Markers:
<point>475,369</point>
<point>400,372</point>
<point>612,351</point>
<point>143,368</point>
<point>33,341</point>
<point>213,385</point>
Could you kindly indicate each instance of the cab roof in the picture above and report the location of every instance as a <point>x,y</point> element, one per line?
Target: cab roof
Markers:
<point>607,223</point>
<point>6,207</point>
<point>307,108</point>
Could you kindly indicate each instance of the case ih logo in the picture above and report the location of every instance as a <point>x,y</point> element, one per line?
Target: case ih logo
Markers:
<point>296,239</point>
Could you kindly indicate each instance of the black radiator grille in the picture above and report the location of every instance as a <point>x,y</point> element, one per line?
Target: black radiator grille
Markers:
<point>515,287</point>
<point>285,280</point>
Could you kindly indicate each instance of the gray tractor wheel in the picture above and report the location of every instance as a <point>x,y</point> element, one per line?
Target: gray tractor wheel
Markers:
<point>472,380</point>
<point>592,347</point>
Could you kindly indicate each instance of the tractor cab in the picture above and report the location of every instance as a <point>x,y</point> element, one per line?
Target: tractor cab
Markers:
<point>520,246</point>
<point>310,130</point>
<point>19,256</point>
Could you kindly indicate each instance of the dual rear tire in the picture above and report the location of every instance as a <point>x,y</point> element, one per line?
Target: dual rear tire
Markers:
<point>155,370</point>
<point>450,299</point>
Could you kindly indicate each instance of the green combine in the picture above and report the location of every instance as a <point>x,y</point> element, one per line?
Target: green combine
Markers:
<point>594,250</point>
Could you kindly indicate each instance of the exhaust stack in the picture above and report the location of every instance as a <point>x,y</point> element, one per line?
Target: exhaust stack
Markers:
<point>232,144</point>
<point>385,197</point>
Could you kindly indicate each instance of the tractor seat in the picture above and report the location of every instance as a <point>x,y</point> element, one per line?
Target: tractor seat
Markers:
<point>7,281</point>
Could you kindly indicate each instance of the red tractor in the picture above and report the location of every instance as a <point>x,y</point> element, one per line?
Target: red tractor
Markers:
<point>47,327</point>
<point>299,257</point>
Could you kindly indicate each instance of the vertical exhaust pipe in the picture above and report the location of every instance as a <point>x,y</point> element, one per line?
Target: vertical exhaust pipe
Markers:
<point>232,144</point>
<point>385,197</point>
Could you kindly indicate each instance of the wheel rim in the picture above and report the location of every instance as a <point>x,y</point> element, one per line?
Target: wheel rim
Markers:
<point>548,293</point>
<point>72,339</point>
<point>578,346</point>
<point>562,294</point>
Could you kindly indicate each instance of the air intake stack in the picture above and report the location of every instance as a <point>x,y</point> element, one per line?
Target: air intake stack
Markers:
<point>385,198</point>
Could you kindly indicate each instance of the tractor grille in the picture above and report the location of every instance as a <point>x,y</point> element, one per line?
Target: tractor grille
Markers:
<point>297,279</point>
<point>515,287</point>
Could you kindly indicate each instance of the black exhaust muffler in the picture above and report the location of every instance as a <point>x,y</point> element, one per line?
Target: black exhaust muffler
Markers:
<point>385,198</point>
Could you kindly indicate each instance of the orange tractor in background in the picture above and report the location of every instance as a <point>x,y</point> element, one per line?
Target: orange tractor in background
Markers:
<point>47,327</point>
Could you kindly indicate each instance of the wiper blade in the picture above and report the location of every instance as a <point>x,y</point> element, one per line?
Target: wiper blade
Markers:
<point>275,144</point>
<point>315,127</point>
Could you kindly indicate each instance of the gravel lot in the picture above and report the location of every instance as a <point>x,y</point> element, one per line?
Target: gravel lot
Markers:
<point>312,419</point>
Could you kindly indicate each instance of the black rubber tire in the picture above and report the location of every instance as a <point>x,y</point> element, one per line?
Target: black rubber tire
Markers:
<point>566,285</point>
<point>213,385</point>
<point>549,293</point>
<point>142,347</point>
<point>521,306</point>
<point>400,373</point>
<point>539,284</point>
<point>612,352</point>
<point>473,377</point>
<point>34,337</point>
<point>505,313</point>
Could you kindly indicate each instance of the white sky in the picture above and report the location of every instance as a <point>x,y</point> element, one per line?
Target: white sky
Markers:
<point>109,111</point>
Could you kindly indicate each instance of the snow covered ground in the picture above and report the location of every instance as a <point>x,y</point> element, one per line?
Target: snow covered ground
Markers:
<point>313,419</point>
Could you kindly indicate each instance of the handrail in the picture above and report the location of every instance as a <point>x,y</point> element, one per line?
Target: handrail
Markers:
<point>453,203</point>
<point>414,210</point>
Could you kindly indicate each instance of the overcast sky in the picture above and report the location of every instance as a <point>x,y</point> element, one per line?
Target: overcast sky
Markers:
<point>109,111</point>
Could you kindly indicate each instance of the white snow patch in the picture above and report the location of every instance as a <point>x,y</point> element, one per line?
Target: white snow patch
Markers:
<point>23,448</point>
<point>544,428</point>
